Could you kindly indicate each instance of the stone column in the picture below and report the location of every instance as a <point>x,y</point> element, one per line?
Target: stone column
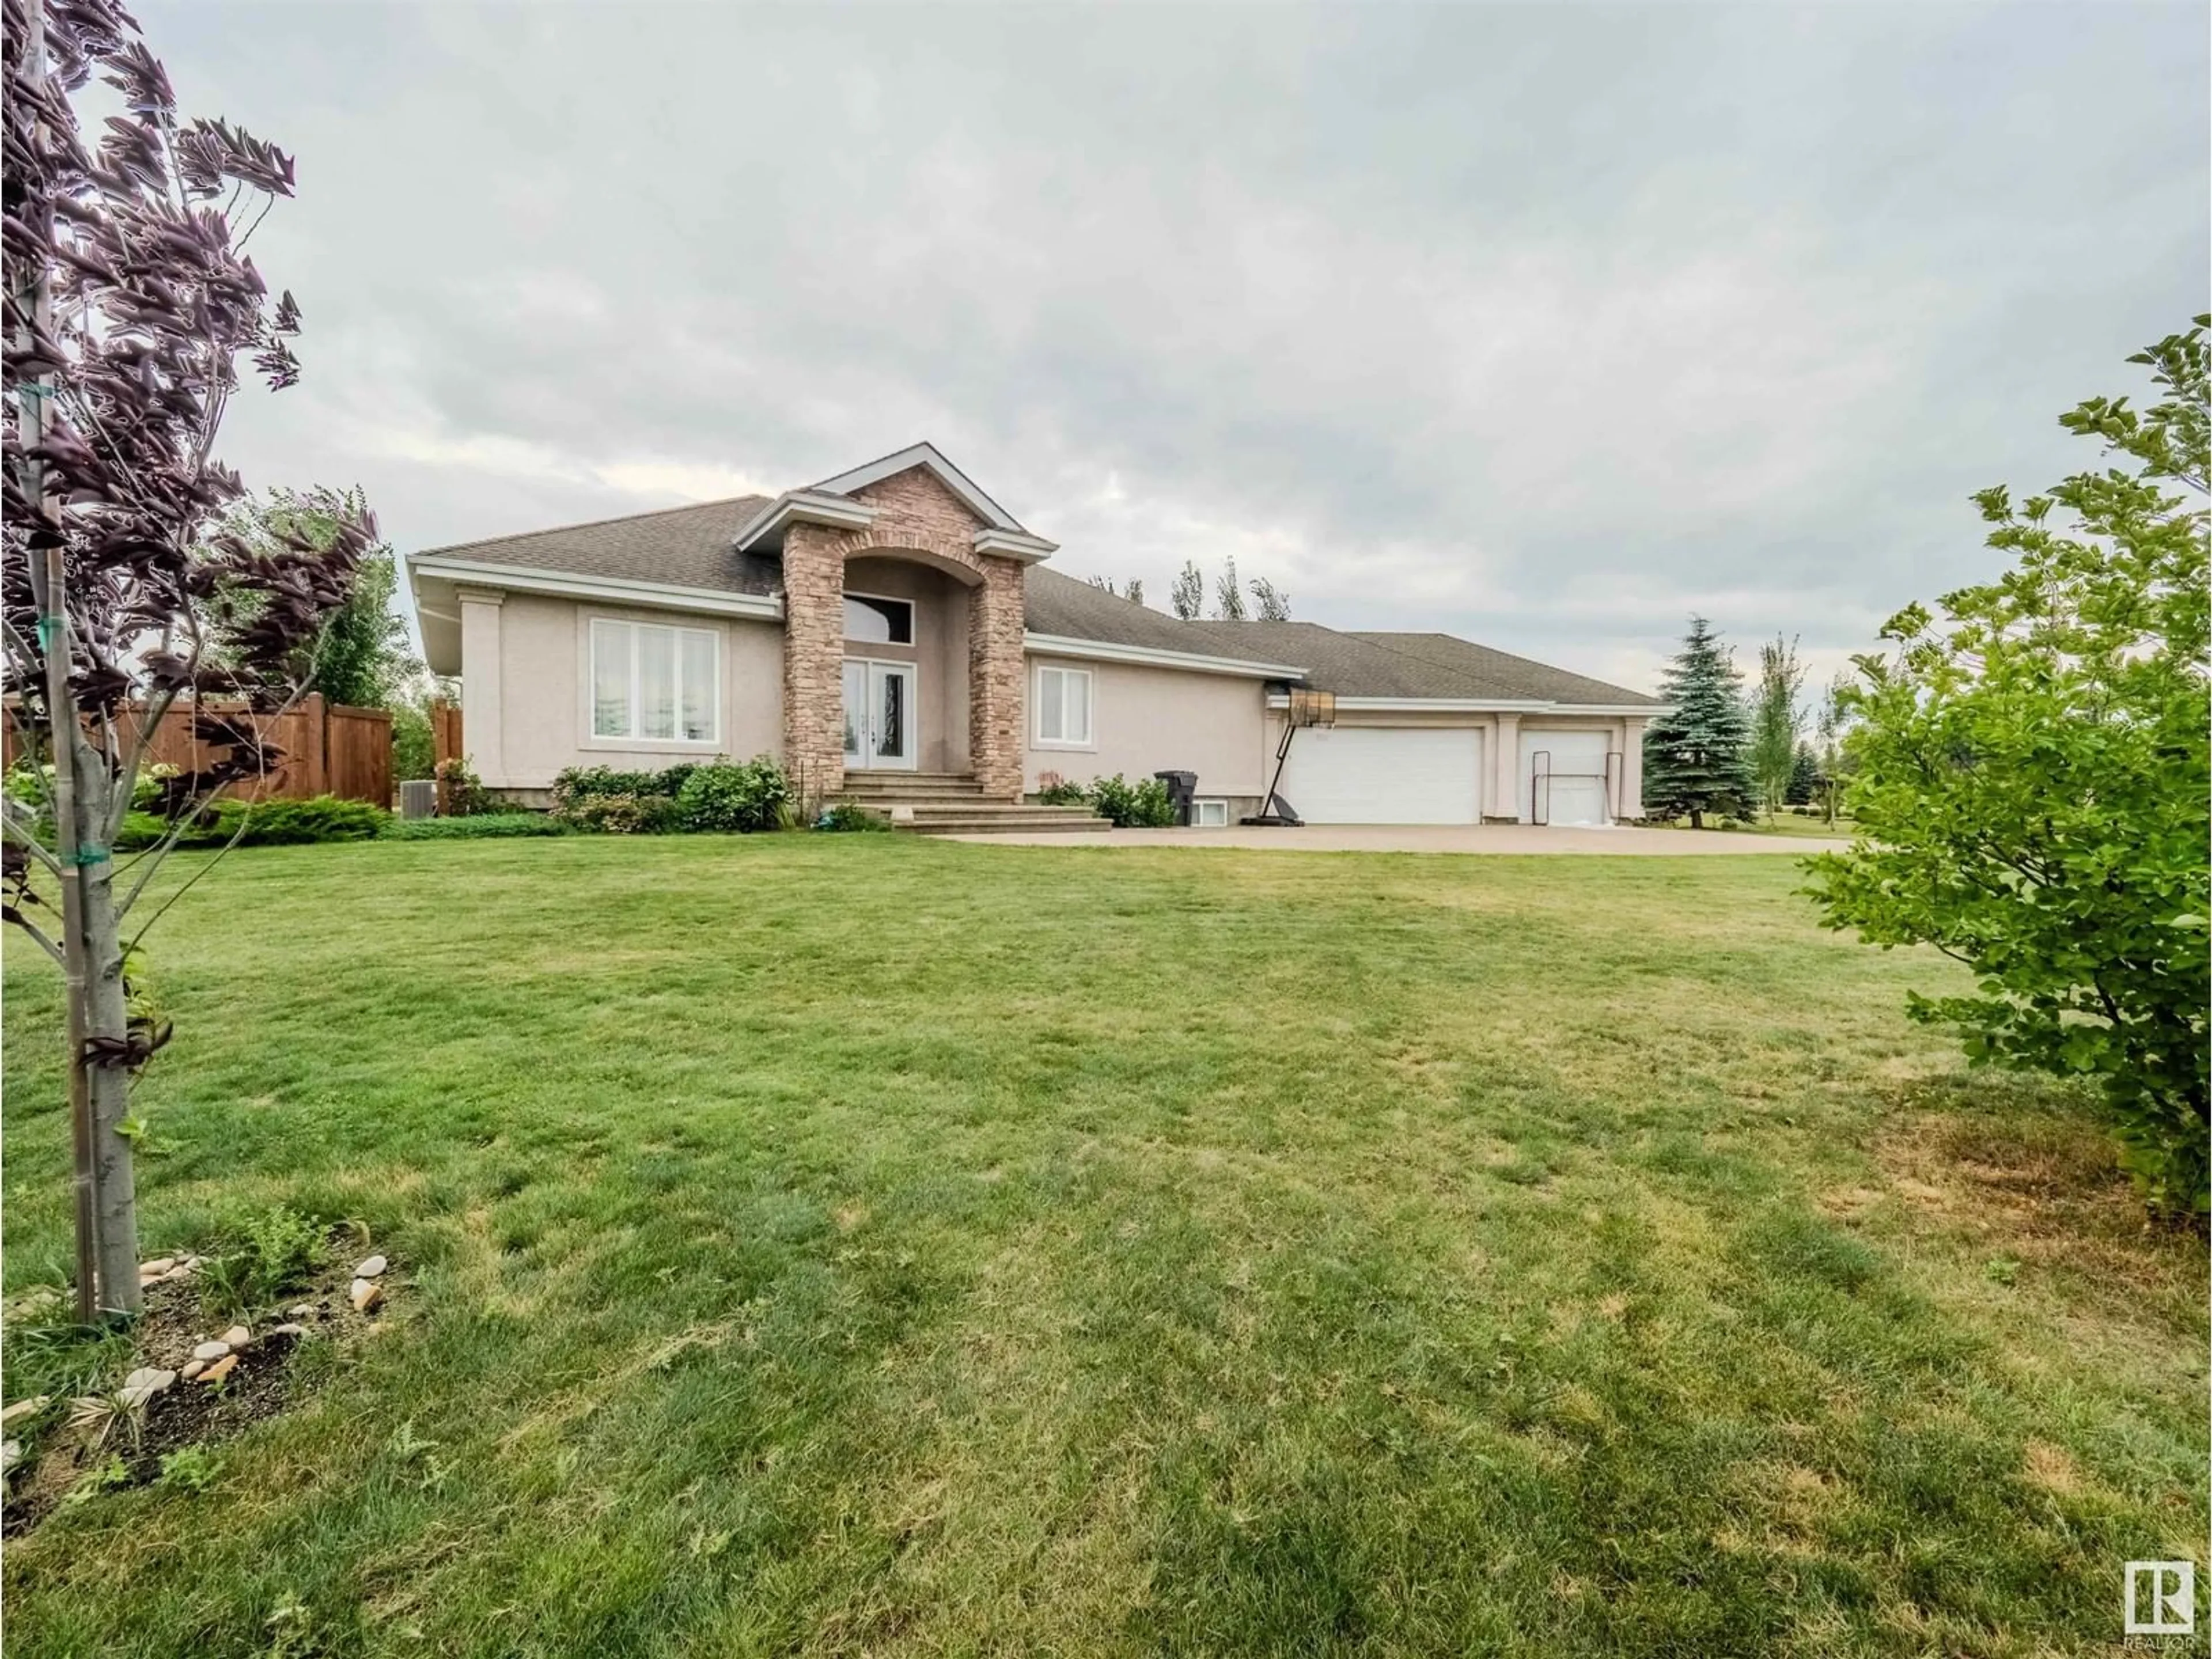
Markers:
<point>1505,802</point>
<point>995,718</point>
<point>1631,770</point>
<point>481,669</point>
<point>814,660</point>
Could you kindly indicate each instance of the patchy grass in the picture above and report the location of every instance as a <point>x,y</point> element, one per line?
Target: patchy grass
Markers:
<point>1782,824</point>
<point>865,1245</point>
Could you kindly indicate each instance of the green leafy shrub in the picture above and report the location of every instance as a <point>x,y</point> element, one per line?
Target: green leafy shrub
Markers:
<point>29,785</point>
<point>465,794</point>
<point>671,781</point>
<point>146,793</point>
<point>2029,783</point>
<point>1053,790</point>
<point>266,1253</point>
<point>725,798</point>
<point>491,827</point>
<point>845,817</point>
<point>659,815</point>
<point>577,784</point>
<point>606,815</point>
<point>262,824</point>
<point>1141,805</point>
<point>29,791</point>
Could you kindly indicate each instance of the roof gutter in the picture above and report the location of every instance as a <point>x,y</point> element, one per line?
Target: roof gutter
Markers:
<point>660,596</point>
<point>1064,645</point>
<point>1484,705</point>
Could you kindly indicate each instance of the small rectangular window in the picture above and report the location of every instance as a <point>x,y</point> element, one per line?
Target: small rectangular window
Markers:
<point>871,621</point>
<point>1209,814</point>
<point>653,681</point>
<point>1063,708</point>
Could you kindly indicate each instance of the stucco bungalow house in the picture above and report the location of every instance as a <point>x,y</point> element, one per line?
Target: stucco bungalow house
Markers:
<point>893,634</point>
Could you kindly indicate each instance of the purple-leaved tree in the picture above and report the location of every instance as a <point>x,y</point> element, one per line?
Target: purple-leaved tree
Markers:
<point>129,301</point>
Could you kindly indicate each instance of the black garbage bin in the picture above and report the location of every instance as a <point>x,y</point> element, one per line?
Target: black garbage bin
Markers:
<point>1182,785</point>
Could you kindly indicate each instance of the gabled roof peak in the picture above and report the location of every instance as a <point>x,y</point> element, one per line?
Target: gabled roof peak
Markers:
<point>924,454</point>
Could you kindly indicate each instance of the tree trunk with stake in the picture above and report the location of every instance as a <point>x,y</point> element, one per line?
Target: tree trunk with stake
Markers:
<point>50,580</point>
<point>121,606</point>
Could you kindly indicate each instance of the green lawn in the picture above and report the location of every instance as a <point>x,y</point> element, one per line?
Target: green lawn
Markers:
<point>858,1244</point>
<point>1784,824</point>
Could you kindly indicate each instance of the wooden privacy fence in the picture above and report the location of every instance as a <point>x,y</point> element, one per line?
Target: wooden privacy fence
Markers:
<point>328,749</point>
<point>445,745</point>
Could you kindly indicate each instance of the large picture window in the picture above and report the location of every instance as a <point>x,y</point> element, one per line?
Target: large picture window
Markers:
<point>1063,708</point>
<point>655,683</point>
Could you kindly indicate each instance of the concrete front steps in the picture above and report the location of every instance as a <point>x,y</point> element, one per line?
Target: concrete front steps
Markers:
<point>952,803</point>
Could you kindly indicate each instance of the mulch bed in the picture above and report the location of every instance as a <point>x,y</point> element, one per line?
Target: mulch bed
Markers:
<point>189,1413</point>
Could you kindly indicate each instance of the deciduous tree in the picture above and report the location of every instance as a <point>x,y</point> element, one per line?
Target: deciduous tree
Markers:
<point>1134,592</point>
<point>130,301</point>
<point>2032,778</point>
<point>1275,604</point>
<point>1228,597</point>
<point>1186,599</point>
<point>1775,721</point>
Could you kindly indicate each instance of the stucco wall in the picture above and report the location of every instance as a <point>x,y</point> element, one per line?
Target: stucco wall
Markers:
<point>544,725</point>
<point>1145,721</point>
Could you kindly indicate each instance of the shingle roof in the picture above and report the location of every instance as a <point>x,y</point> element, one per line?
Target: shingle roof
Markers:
<point>694,547</point>
<point>1528,678</point>
<point>1350,663</point>
<point>685,546</point>
<point>1345,663</point>
<point>1060,605</point>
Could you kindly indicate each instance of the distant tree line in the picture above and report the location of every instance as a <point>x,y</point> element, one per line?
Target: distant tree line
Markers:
<point>1186,597</point>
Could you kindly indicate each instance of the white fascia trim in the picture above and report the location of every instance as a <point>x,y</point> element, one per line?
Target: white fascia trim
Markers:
<point>1007,544</point>
<point>1060,645</point>
<point>660,596</point>
<point>1478,706</point>
<point>1434,705</point>
<point>807,507</point>
<point>926,454</point>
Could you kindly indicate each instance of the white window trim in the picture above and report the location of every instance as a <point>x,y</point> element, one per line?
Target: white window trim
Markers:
<point>1198,805</point>
<point>591,738</point>
<point>913,620</point>
<point>1088,745</point>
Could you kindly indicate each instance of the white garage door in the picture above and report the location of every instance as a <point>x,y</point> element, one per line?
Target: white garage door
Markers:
<point>1563,776</point>
<point>1384,775</point>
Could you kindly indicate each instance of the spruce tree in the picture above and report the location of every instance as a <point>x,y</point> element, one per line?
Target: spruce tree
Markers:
<point>1697,758</point>
<point>1804,777</point>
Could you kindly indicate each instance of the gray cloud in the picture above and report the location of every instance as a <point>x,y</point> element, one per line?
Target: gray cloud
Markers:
<point>1542,325</point>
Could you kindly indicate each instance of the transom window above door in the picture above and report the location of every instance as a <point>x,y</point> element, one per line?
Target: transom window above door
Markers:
<point>872,621</point>
<point>657,684</point>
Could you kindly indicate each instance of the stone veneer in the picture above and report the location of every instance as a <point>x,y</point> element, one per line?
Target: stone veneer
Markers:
<point>916,518</point>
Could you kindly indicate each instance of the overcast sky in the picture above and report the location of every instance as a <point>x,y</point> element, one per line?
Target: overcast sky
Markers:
<point>1542,325</point>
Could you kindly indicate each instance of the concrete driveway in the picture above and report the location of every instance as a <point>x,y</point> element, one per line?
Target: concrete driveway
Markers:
<point>1441,838</point>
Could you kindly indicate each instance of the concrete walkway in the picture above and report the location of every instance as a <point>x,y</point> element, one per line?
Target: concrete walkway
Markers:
<point>1440,838</point>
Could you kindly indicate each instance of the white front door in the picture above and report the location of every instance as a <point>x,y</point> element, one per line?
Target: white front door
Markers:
<point>880,717</point>
<point>1384,775</point>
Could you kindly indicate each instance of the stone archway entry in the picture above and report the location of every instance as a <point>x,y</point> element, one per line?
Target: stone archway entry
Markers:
<point>922,510</point>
